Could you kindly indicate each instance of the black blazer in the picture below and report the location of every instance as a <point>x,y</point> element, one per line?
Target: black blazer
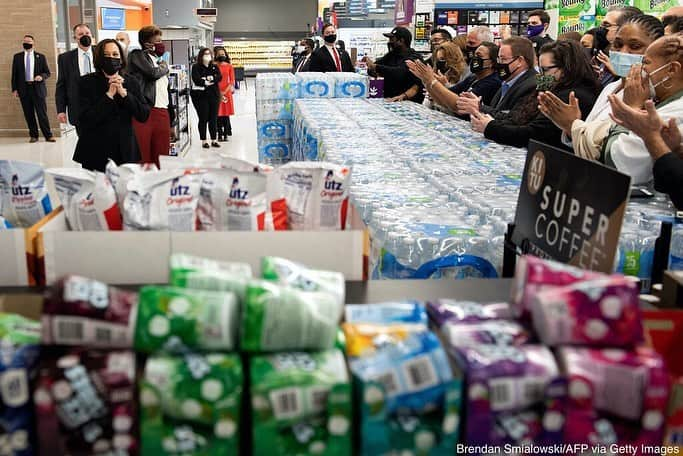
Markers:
<point>505,130</point>
<point>524,86</point>
<point>322,61</point>
<point>106,124</point>
<point>199,75</point>
<point>19,73</point>
<point>306,66</point>
<point>668,174</point>
<point>66,92</point>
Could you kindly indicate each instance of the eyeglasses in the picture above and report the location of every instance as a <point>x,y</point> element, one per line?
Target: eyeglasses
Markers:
<point>509,60</point>
<point>545,69</point>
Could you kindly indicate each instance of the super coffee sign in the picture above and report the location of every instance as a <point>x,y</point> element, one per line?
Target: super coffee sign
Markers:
<point>570,209</point>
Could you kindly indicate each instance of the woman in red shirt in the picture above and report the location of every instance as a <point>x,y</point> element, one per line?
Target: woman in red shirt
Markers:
<point>226,87</point>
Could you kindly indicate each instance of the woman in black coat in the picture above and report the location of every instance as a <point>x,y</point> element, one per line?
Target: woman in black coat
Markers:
<point>564,69</point>
<point>205,95</point>
<point>109,100</point>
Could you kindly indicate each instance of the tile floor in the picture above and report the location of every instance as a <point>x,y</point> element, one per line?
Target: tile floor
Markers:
<point>242,144</point>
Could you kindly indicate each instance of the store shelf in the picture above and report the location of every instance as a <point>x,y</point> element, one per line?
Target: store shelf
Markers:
<point>256,56</point>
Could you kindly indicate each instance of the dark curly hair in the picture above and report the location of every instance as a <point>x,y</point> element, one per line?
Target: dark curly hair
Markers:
<point>576,71</point>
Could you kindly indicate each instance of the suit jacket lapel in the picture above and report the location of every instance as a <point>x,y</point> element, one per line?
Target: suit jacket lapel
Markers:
<point>74,59</point>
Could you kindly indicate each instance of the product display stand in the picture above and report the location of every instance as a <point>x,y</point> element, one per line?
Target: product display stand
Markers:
<point>180,102</point>
<point>659,264</point>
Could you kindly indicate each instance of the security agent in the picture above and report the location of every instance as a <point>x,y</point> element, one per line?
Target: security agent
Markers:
<point>399,83</point>
<point>29,72</point>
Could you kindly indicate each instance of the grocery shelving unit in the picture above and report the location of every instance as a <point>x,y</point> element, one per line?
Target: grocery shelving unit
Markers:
<point>260,56</point>
<point>180,101</point>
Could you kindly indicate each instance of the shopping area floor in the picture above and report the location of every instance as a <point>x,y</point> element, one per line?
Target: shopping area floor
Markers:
<point>242,143</point>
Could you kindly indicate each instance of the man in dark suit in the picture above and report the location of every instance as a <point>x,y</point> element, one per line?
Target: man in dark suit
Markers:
<point>71,66</point>
<point>303,63</point>
<point>29,72</point>
<point>328,58</point>
<point>515,67</point>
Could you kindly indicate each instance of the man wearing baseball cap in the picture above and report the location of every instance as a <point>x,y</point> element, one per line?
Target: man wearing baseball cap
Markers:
<point>399,83</point>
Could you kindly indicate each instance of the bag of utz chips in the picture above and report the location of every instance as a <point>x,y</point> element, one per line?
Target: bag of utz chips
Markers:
<point>317,194</point>
<point>24,193</point>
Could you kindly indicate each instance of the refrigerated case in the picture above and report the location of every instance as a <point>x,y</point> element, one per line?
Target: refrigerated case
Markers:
<point>465,16</point>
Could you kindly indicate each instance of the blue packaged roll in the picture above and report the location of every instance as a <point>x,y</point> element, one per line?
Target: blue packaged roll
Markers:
<point>387,313</point>
<point>315,85</point>
<point>350,85</point>
<point>411,375</point>
<point>276,86</point>
<point>274,151</point>
<point>274,129</point>
<point>274,110</point>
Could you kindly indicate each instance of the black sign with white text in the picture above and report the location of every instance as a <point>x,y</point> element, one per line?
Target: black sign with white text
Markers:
<point>570,209</point>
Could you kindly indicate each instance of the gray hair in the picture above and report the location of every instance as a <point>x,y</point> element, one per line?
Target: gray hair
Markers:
<point>483,33</point>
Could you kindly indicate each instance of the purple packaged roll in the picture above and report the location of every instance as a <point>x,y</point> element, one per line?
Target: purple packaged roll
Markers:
<point>85,312</point>
<point>496,332</point>
<point>507,378</point>
<point>466,311</point>
<point>598,313</point>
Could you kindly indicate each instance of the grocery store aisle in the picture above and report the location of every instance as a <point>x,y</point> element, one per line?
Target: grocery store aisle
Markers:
<point>242,144</point>
<point>59,154</point>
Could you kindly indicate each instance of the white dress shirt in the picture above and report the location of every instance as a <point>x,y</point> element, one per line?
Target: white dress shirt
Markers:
<point>332,49</point>
<point>32,64</point>
<point>161,86</point>
<point>81,61</point>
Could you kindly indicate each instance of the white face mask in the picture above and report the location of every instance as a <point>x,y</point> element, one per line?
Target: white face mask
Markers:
<point>206,59</point>
<point>300,49</point>
<point>653,87</point>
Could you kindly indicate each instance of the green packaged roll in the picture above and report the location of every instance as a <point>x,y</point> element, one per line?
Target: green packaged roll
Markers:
<point>287,272</point>
<point>191,405</point>
<point>301,403</point>
<point>176,320</point>
<point>276,318</point>
<point>188,271</point>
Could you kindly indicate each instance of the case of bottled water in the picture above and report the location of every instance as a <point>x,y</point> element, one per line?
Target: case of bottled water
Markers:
<point>437,196</point>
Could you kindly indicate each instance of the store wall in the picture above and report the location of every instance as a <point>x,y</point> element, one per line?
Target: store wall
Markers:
<point>136,18</point>
<point>265,16</point>
<point>37,18</point>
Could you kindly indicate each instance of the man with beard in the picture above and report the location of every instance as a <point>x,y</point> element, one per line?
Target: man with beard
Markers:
<point>399,83</point>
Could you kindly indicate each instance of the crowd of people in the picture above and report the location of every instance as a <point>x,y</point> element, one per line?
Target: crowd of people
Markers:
<point>613,95</point>
<point>118,96</point>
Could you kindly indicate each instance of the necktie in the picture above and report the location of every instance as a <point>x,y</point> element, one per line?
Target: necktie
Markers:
<point>301,64</point>
<point>86,64</point>
<point>504,89</point>
<point>336,59</point>
<point>29,73</point>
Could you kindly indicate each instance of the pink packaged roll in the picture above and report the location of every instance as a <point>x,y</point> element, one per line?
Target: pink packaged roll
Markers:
<point>632,386</point>
<point>599,313</point>
<point>85,312</point>
<point>534,275</point>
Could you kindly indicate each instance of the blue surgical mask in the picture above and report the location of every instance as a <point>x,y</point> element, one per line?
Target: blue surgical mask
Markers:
<point>534,30</point>
<point>622,62</point>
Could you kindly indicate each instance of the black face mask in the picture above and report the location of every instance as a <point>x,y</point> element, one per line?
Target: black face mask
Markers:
<point>85,41</point>
<point>330,39</point>
<point>27,46</point>
<point>477,65</point>
<point>222,58</point>
<point>442,66</point>
<point>469,53</point>
<point>588,52</point>
<point>111,65</point>
<point>503,70</point>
